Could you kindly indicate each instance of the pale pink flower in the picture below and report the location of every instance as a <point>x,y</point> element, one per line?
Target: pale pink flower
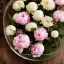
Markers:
<point>21,41</point>
<point>22,18</point>
<point>37,50</point>
<point>58,15</point>
<point>40,34</point>
<point>59,2</point>
<point>20,49</point>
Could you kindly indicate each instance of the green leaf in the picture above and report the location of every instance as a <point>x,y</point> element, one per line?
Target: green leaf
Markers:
<point>11,20</point>
<point>26,51</point>
<point>62,7</point>
<point>10,38</point>
<point>61,32</point>
<point>32,29</point>
<point>27,11</point>
<point>48,44</point>
<point>13,12</point>
<point>62,23</point>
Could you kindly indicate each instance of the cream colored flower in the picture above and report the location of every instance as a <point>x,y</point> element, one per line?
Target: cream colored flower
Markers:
<point>30,25</point>
<point>14,17</point>
<point>18,5</point>
<point>37,15</point>
<point>10,30</point>
<point>47,21</point>
<point>48,4</point>
<point>54,34</point>
<point>32,6</point>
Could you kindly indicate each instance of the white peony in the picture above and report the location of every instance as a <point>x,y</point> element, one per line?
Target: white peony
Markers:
<point>14,17</point>
<point>10,30</point>
<point>48,4</point>
<point>37,15</point>
<point>31,7</point>
<point>54,34</point>
<point>47,21</point>
<point>30,25</point>
<point>18,5</point>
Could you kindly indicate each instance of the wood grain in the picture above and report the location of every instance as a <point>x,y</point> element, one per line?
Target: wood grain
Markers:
<point>7,56</point>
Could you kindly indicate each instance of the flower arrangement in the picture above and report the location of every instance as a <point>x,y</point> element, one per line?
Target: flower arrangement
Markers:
<point>36,27</point>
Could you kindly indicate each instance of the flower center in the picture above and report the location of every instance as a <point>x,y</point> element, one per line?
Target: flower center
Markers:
<point>46,2</point>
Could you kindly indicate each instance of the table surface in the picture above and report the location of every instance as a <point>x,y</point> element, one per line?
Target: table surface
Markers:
<point>7,56</point>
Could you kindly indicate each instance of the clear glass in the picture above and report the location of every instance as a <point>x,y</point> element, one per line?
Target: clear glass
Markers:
<point>6,21</point>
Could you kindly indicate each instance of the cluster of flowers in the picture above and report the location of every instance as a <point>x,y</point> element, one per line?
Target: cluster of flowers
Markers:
<point>22,41</point>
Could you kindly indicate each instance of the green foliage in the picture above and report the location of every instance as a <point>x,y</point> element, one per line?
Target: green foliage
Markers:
<point>13,12</point>
<point>26,51</point>
<point>32,29</point>
<point>48,44</point>
<point>27,11</point>
<point>11,20</point>
<point>61,32</point>
<point>62,7</point>
<point>10,38</point>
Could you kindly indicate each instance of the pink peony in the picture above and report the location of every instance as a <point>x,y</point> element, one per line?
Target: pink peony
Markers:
<point>59,2</point>
<point>22,18</point>
<point>20,49</point>
<point>37,50</point>
<point>21,41</point>
<point>58,15</point>
<point>40,33</point>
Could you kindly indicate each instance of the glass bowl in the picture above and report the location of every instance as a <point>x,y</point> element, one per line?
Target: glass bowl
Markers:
<point>6,21</point>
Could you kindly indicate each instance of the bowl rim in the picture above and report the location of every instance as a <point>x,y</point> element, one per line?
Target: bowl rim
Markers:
<point>13,48</point>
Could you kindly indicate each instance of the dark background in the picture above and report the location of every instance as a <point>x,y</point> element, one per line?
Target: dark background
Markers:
<point>7,56</point>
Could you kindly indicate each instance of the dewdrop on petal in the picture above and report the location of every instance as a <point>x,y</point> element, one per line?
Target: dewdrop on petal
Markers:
<point>54,34</point>
<point>30,25</point>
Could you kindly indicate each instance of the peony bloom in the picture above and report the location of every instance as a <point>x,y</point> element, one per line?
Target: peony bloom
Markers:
<point>47,21</point>
<point>32,6</point>
<point>18,5</point>
<point>59,2</point>
<point>48,4</point>
<point>14,17</point>
<point>54,34</point>
<point>10,30</point>
<point>21,41</point>
<point>38,14</point>
<point>37,50</point>
<point>59,15</point>
<point>22,18</point>
<point>40,34</point>
<point>20,49</point>
<point>30,25</point>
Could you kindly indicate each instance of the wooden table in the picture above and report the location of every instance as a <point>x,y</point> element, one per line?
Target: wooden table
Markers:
<point>7,56</point>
